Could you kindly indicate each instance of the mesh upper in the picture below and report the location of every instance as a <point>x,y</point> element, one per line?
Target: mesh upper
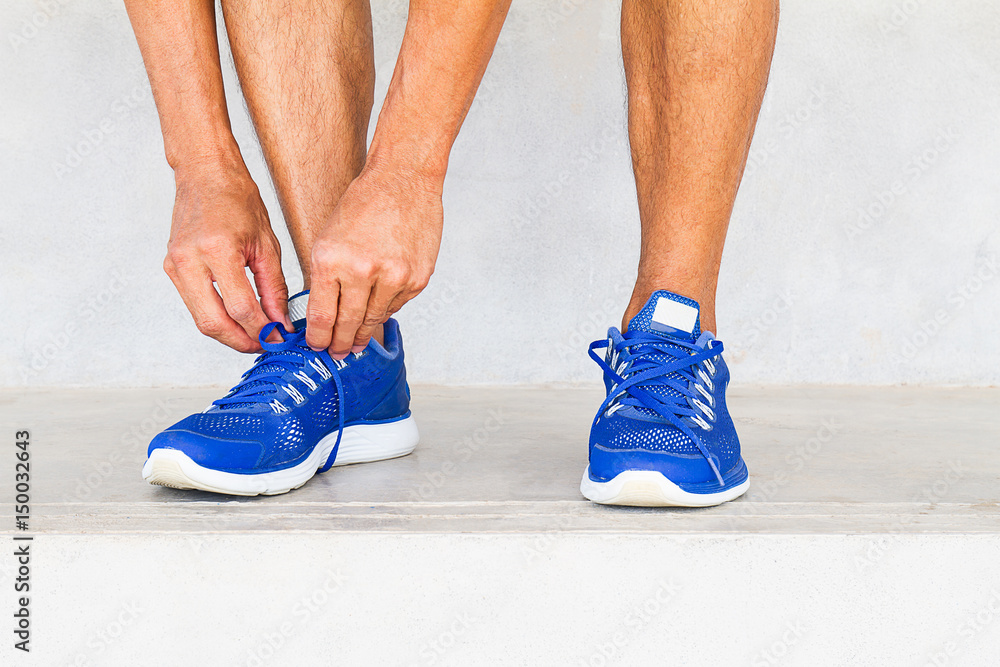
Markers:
<point>235,426</point>
<point>288,443</point>
<point>325,412</point>
<point>622,431</point>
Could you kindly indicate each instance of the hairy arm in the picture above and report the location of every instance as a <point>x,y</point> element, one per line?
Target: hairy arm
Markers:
<point>219,223</point>
<point>379,248</point>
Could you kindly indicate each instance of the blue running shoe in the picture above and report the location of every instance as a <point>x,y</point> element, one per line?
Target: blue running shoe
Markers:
<point>295,412</point>
<point>663,436</point>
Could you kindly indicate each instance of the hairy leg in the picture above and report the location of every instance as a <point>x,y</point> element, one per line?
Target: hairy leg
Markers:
<point>307,71</point>
<point>696,72</point>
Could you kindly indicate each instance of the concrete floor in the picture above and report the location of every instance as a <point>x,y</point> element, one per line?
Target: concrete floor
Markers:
<point>821,459</point>
<point>869,537</point>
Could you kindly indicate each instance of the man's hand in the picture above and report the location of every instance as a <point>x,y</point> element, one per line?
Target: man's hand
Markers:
<point>219,227</point>
<point>376,253</point>
<point>379,248</point>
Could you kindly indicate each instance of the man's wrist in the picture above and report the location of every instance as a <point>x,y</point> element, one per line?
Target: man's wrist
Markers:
<point>205,148</point>
<point>422,165</point>
<point>224,163</point>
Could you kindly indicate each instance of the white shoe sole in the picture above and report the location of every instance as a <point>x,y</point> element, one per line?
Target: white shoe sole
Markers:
<point>360,443</point>
<point>648,488</point>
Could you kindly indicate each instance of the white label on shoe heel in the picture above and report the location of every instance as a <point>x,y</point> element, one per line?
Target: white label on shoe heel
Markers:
<point>674,315</point>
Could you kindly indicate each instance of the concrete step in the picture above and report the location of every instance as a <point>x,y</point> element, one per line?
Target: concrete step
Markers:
<point>870,536</point>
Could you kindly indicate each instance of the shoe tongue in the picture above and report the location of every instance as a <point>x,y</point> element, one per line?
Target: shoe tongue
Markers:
<point>669,315</point>
<point>673,318</point>
<point>297,307</point>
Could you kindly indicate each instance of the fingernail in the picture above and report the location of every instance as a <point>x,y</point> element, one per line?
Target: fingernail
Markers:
<point>315,349</point>
<point>358,348</point>
<point>339,357</point>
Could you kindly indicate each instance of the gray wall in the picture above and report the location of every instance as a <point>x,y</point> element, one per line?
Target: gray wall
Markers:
<point>864,247</point>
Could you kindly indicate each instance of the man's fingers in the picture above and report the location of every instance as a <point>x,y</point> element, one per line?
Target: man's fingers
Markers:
<point>209,313</point>
<point>239,298</point>
<point>322,314</point>
<point>376,313</point>
<point>271,287</point>
<point>350,317</point>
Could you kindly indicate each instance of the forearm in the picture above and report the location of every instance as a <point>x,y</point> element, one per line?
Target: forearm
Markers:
<point>180,50</point>
<point>445,51</point>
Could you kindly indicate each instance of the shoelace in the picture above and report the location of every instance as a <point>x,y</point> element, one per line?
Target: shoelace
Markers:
<point>632,356</point>
<point>264,380</point>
